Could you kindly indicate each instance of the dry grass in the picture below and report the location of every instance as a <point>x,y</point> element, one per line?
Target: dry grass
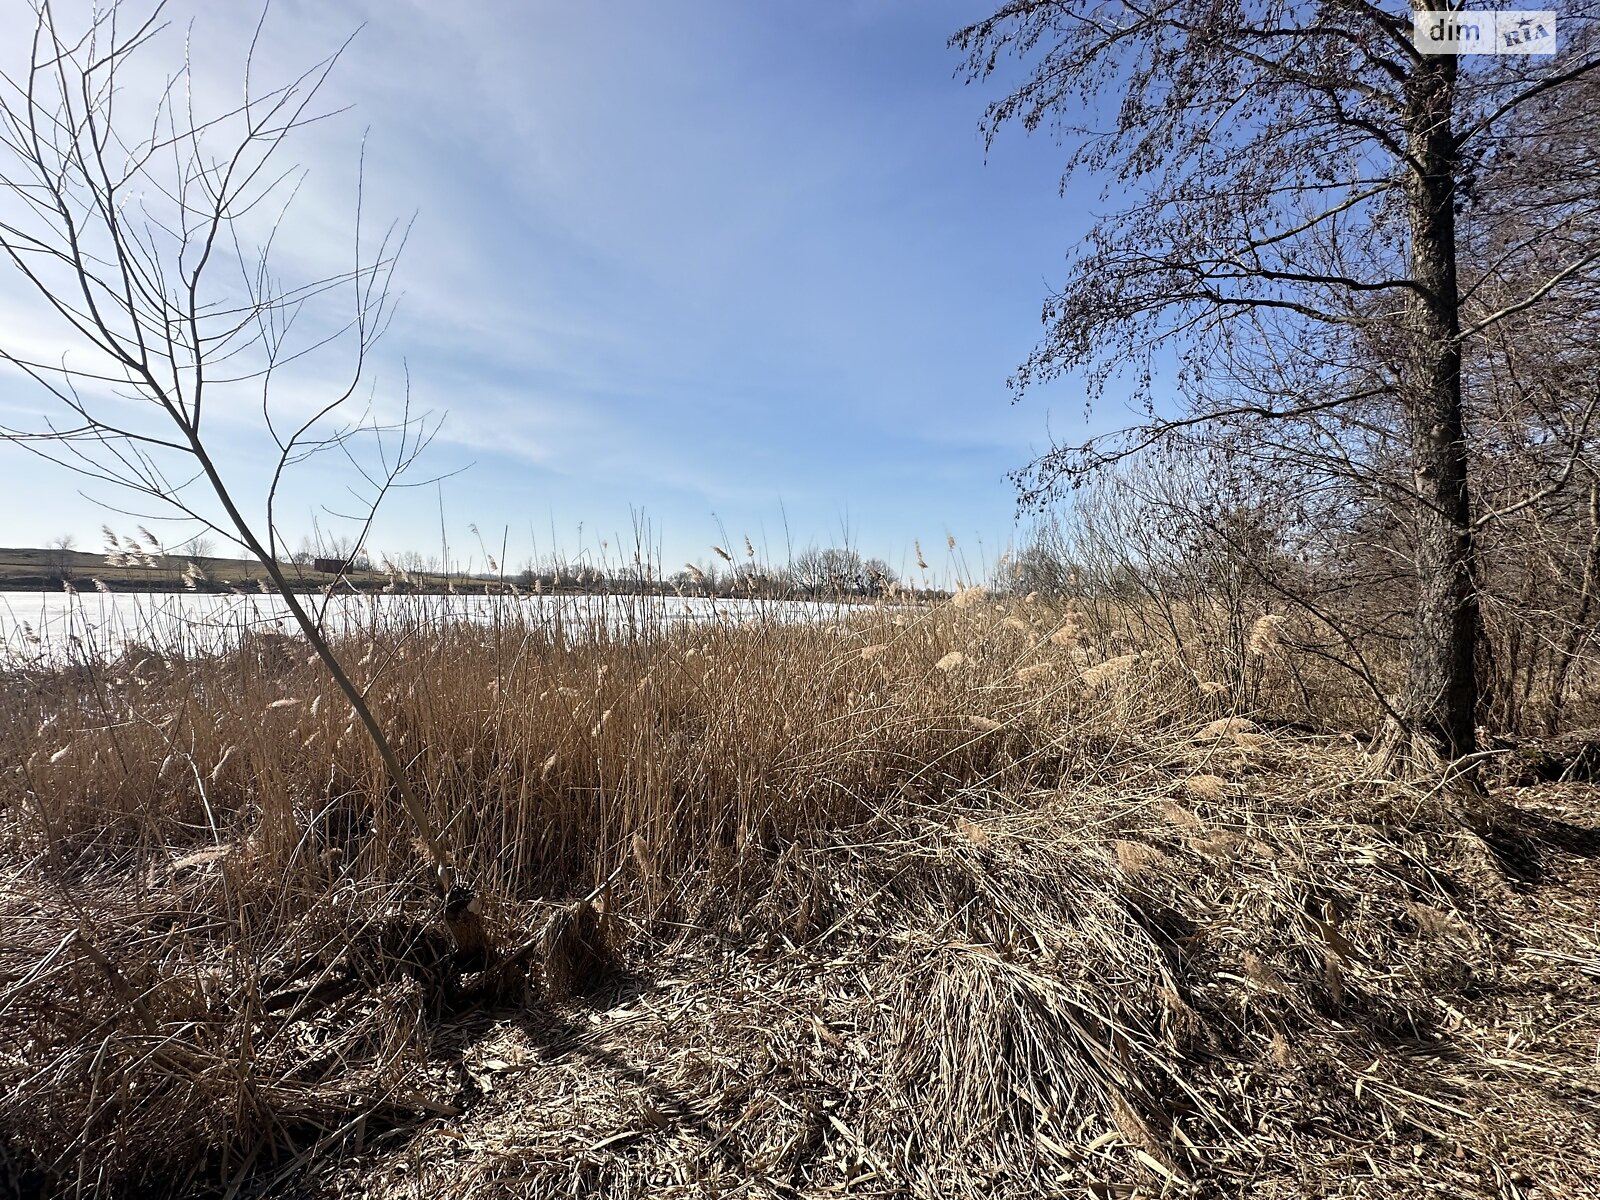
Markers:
<point>904,903</point>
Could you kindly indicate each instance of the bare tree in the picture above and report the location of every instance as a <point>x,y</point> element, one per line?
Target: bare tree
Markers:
<point>148,237</point>
<point>1531,386</point>
<point>840,571</point>
<point>1286,183</point>
<point>60,548</point>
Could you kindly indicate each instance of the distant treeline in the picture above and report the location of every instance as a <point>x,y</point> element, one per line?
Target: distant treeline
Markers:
<point>833,572</point>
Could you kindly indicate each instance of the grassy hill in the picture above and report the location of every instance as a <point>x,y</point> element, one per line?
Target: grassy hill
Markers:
<point>32,570</point>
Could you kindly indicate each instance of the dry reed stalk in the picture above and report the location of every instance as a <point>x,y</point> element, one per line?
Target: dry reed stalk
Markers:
<point>1206,786</point>
<point>1265,636</point>
<point>575,950</point>
<point>1225,727</point>
<point>1110,671</point>
<point>897,949</point>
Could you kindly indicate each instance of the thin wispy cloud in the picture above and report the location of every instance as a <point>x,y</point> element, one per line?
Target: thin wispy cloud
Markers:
<point>719,258</point>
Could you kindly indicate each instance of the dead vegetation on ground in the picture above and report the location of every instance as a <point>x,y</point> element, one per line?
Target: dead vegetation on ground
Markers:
<point>922,903</point>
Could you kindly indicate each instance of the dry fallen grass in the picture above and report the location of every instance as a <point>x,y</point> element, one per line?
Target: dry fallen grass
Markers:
<point>905,903</point>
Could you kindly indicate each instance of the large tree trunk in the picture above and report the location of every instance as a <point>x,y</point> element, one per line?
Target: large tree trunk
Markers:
<point>1442,697</point>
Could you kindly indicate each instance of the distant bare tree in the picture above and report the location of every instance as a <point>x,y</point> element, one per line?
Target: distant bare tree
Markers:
<point>414,562</point>
<point>1041,564</point>
<point>878,576</point>
<point>1284,183</point>
<point>148,236</point>
<point>839,571</point>
<point>60,548</point>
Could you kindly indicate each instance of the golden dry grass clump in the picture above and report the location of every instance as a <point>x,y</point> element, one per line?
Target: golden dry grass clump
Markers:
<point>895,900</point>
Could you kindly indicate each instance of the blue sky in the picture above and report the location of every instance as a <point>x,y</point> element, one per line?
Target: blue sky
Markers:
<point>739,267</point>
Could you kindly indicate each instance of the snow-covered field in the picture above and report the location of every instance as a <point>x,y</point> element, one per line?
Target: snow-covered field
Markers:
<point>50,626</point>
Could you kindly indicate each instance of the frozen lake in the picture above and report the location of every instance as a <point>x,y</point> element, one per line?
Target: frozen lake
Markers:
<point>47,626</point>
